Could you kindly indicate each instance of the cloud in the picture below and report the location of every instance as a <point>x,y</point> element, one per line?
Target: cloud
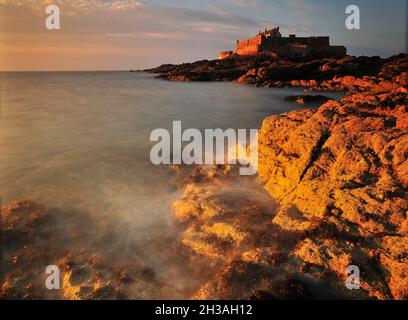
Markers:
<point>121,17</point>
<point>156,31</point>
<point>73,6</point>
<point>152,33</point>
<point>244,3</point>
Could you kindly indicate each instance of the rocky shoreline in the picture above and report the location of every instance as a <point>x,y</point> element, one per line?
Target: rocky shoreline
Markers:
<point>331,191</point>
<point>338,173</point>
<point>348,74</point>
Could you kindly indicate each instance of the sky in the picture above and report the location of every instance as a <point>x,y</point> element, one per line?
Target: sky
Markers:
<point>137,34</point>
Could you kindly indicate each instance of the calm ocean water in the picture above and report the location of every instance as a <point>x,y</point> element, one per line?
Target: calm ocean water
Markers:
<point>80,140</point>
<point>83,137</point>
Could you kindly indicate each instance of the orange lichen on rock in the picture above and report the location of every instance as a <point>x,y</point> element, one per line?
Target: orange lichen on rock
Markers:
<point>394,258</point>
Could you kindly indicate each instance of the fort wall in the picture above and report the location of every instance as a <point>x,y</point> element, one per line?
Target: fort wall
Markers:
<point>249,46</point>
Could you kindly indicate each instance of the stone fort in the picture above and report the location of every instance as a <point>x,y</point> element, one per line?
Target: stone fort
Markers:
<point>290,47</point>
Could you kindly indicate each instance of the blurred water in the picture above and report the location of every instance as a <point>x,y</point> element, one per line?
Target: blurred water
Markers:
<point>80,140</point>
<point>83,138</point>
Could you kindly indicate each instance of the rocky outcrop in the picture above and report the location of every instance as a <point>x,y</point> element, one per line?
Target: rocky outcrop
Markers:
<point>344,167</point>
<point>268,70</point>
<point>339,177</point>
<point>231,239</point>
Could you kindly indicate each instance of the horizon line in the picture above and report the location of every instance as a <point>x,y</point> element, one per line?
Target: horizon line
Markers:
<point>141,70</point>
<point>94,70</point>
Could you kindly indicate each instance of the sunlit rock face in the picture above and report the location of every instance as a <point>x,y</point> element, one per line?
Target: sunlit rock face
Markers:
<point>344,167</point>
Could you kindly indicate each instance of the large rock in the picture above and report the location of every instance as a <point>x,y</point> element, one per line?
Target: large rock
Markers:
<point>345,166</point>
<point>345,159</point>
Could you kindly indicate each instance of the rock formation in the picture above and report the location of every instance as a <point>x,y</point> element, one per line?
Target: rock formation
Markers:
<point>339,176</point>
<point>267,70</point>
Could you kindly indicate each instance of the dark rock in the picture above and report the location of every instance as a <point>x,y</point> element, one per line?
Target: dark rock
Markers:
<point>305,99</point>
